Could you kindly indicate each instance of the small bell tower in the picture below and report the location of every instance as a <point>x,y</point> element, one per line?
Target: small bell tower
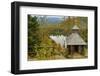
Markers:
<point>75,29</point>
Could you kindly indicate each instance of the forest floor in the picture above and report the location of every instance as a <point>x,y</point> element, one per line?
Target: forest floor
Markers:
<point>55,57</point>
<point>76,56</point>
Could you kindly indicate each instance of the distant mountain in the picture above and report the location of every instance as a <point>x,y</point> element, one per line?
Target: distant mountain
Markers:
<point>49,19</point>
<point>54,20</point>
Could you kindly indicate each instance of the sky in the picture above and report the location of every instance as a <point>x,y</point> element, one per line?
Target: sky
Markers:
<point>50,16</point>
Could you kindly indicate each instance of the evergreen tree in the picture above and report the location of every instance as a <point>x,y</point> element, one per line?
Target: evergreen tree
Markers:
<point>33,35</point>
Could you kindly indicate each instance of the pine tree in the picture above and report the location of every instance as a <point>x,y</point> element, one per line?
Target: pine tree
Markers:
<point>33,35</point>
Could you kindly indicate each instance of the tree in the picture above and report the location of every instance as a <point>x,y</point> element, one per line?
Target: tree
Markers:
<point>33,35</point>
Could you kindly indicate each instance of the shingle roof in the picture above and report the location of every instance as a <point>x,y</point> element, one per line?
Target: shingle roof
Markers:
<point>75,39</point>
